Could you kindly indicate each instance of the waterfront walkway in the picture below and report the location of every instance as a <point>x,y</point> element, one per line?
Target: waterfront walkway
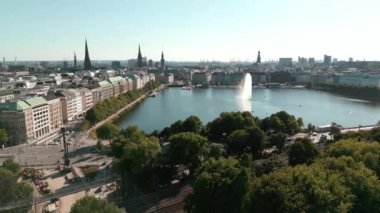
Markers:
<point>130,105</point>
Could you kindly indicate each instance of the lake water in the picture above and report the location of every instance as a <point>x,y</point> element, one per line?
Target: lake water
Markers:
<point>316,107</point>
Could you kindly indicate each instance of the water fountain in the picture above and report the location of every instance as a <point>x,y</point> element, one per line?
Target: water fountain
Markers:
<point>246,90</point>
<point>246,93</point>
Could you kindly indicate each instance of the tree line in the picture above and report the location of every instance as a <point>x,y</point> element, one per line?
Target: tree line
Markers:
<point>106,108</point>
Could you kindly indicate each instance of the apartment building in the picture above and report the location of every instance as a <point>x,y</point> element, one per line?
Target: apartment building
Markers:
<point>106,90</point>
<point>27,121</point>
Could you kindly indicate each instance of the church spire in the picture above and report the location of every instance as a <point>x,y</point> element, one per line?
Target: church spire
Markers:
<point>139,59</point>
<point>87,61</point>
<point>162,64</point>
<point>258,61</point>
<point>75,60</point>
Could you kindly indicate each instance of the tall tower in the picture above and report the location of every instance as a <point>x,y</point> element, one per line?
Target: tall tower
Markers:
<point>139,59</point>
<point>162,63</point>
<point>75,60</point>
<point>258,61</point>
<point>87,61</point>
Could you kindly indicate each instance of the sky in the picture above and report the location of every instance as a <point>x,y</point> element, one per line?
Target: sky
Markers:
<point>189,30</point>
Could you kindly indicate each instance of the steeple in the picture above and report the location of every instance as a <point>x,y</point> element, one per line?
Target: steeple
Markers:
<point>87,61</point>
<point>258,61</point>
<point>75,60</point>
<point>162,64</point>
<point>139,59</point>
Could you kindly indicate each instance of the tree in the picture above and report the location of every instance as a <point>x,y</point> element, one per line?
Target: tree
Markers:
<point>4,139</point>
<point>302,152</point>
<point>220,186</point>
<point>310,127</point>
<point>237,142</point>
<point>107,131</point>
<point>12,191</point>
<point>278,140</point>
<point>227,122</point>
<point>91,204</point>
<point>368,153</point>
<point>11,166</point>
<point>192,124</point>
<point>257,140</point>
<point>187,148</point>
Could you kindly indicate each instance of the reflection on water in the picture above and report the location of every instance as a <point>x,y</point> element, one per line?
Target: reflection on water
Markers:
<point>245,104</point>
<point>316,107</point>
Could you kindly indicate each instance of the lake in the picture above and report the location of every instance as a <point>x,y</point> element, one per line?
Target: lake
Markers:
<point>316,107</point>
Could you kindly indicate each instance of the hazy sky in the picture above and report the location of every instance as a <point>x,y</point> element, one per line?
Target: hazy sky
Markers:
<point>190,30</point>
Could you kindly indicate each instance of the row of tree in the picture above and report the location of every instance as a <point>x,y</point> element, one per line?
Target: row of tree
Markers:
<point>107,107</point>
<point>344,178</point>
<point>145,161</point>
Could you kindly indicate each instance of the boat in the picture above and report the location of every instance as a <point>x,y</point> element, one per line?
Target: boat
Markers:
<point>187,88</point>
<point>153,94</point>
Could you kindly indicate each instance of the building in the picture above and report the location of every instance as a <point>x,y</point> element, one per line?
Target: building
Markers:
<point>71,101</point>
<point>327,60</point>
<point>139,59</point>
<point>201,78</point>
<point>286,62</point>
<point>75,61</point>
<point>116,64</point>
<point>6,95</point>
<point>165,78</point>
<point>106,90</point>
<point>96,95</point>
<point>27,121</point>
<point>359,80</point>
<point>162,62</point>
<point>87,61</point>
<point>311,61</point>
<point>119,85</point>
<point>86,96</point>
<point>56,120</point>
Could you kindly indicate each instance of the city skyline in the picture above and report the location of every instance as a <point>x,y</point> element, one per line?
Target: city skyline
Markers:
<point>190,31</point>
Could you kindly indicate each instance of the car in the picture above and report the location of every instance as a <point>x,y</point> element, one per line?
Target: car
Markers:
<point>315,134</point>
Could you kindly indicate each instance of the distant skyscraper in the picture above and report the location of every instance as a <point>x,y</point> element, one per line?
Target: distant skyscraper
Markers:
<point>75,60</point>
<point>327,60</point>
<point>162,64</point>
<point>350,59</point>
<point>139,59</point>
<point>287,62</point>
<point>311,61</point>
<point>150,63</point>
<point>87,61</point>
<point>258,61</point>
<point>65,64</point>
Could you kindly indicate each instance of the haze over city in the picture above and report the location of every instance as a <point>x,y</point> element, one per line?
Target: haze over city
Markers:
<point>196,30</point>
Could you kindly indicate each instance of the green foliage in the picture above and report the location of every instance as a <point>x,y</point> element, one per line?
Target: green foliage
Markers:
<point>105,108</point>
<point>91,204</point>
<point>228,122</point>
<point>302,152</point>
<point>368,93</point>
<point>282,122</point>
<point>190,124</point>
<point>187,148</point>
<point>278,139</point>
<point>4,139</point>
<point>11,166</point>
<point>220,186</point>
<point>268,166</point>
<point>107,131</point>
<point>240,141</point>
<point>368,153</point>
<point>12,191</point>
